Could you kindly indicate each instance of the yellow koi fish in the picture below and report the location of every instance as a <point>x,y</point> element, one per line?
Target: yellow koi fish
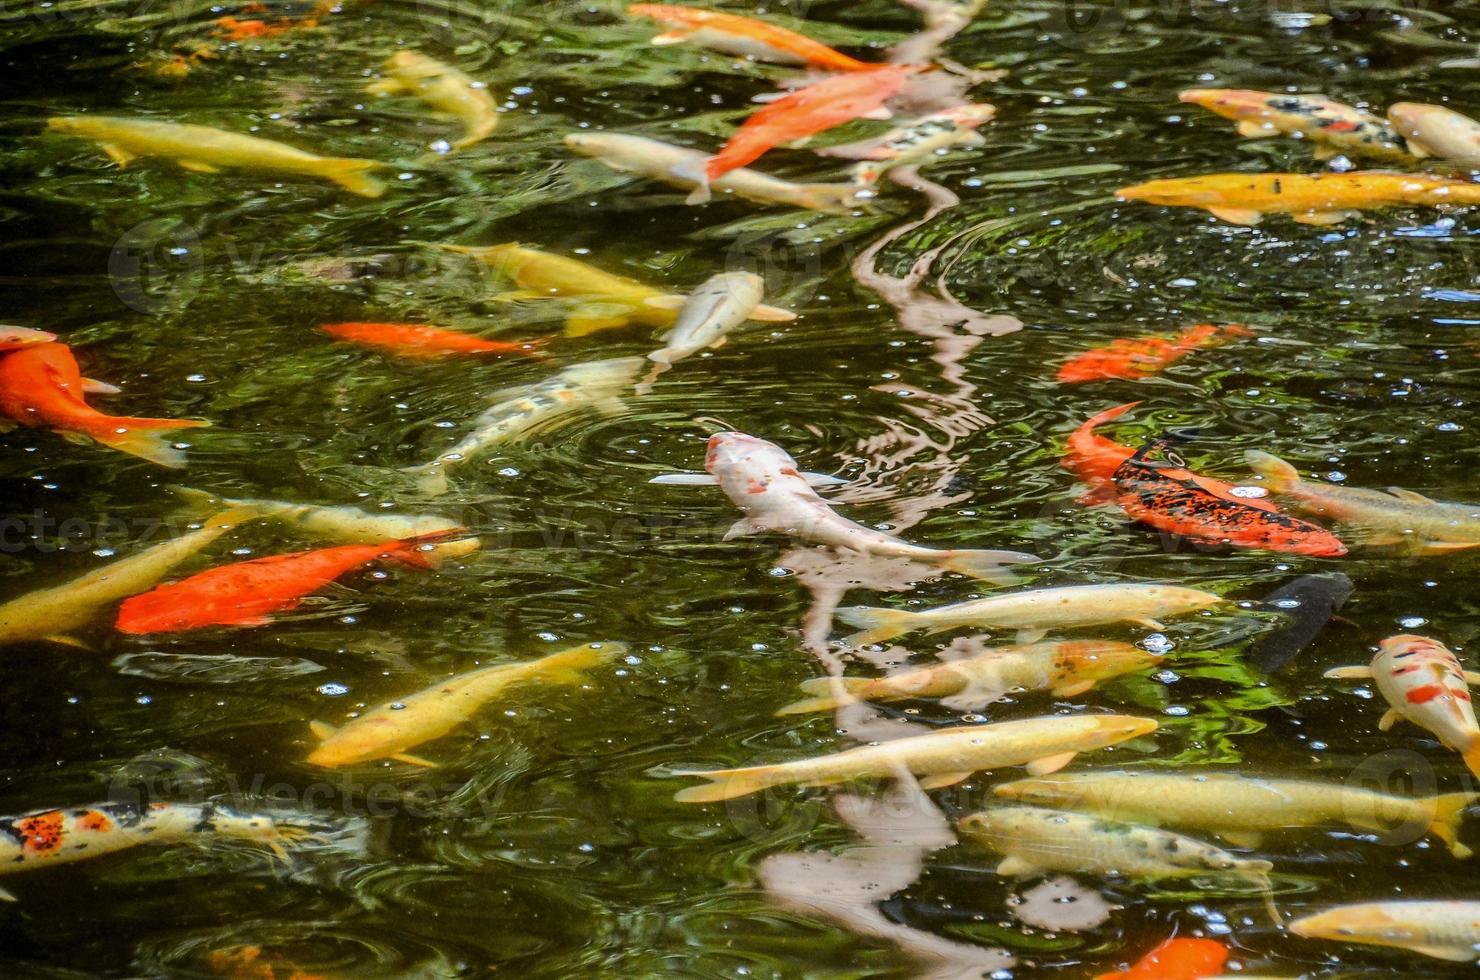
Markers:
<point>603,301</point>
<point>1424,684</point>
<point>944,757</point>
<point>1446,930</point>
<point>1436,131</point>
<point>1311,199</point>
<point>51,614</point>
<point>1391,518</point>
<point>206,150</point>
<point>389,731</point>
<point>1332,126</point>
<point>1065,669</point>
<point>1238,808</point>
<point>445,89</point>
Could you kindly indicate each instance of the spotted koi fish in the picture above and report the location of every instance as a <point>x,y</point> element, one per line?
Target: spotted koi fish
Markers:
<point>1132,360</point>
<point>743,36</point>
<point>48,837</point>
<point>1424,683</point>
<point>1167,496</point>
<point>1331,126</point>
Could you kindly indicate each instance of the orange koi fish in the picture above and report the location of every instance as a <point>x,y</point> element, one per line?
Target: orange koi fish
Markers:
<point>806,112</point>
<point>744,36</point>
<point>1176,959</point>
<point>41,385</point>
<point>234,29</point>
<point>424,342</point>
<point>1311,199</point>
<point>1424,683</point>
<point>251,963</point>
<point>1132,360</point>
<point>244,593</point>
<point>14,338</point>
<point>1168,497</point>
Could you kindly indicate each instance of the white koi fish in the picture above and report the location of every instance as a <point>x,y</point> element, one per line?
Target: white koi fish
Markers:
<point>1446,930</point>
<point>720,304</point>
<point>1424,683</point>
<point>1437,131</point>
<point>923,140</point>
<point>445,89</point>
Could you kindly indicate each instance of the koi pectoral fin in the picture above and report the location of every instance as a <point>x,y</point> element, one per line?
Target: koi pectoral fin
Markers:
<point>1324,217</point>
<point>7,896</point>
<point>414,760</point>
<point>1251,130</point>
<point>118,154</point>
<point>322,729</point>
<point>943,779</point>
<point>1049,763</point>
<point>670,37</point>
<point>1237,216</point>
<point>743,528</point>
<point>197,167</point>
<point>1016,867</point>
<point>1389,718</point>
<point>1348,673</point>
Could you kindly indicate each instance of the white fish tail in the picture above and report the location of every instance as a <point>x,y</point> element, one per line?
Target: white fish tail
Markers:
<point>876,625</point>
<point>989,566</point>
<point>825,699</point>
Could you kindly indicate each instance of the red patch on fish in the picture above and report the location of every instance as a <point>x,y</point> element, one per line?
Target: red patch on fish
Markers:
<point>42,833</point>
<point>1341,126</point>
<point>1131,360</point>
<point>1426,693</point>
<point>420,341</point>
<point>95,821</point>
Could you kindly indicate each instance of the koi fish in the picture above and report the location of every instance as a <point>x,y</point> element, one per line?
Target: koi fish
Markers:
<point>664,162</point>
<point>1065,669</point>
<point>234,29</point>
<point>391,730</point>
<point>1391,518</point>
<point>1446,930</point>
<point>1169,498</point>
<point>706,318</point>
<point>1424,683</point>
<point>203,149</point>
<point>762,480</point>
<point>1238,808</point>
<point>43,838</point>
<point>1432,130</point>
<point>1176,959</point>
<point>338,524</point>
<point>1133,360</point>
<point>522,412</point>
<point>244,593</point>
<point>1034,612</point>
<point>252,963</point>
<point>53,613</point>
<point>1332,126</point>
<point>603,300</point>
<point>1308,604</point>
<point>945,757</point>
<point>1034,840</point>
<point>1311,199</point>
<point>14,338</point>
<point>808,111</point>
<point>744,37</point>
<point>445,89</point>
<point>41,385</point>
<point>923,140</point>
<point>421,342</point>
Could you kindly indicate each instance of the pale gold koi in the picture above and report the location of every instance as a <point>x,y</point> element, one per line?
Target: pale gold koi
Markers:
<point>1438,131</point>
<point>1312,199</point>
<point>1446,930</point>
<point>445,89</point>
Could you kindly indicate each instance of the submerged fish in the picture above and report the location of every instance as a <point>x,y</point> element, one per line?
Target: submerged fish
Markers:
<point>921,141</point>
<point>445,89</point>
<point>1424,683</point>
<point>808,111</point>
<point>1308,604</point>
<point>1035,840</point>
<point>391,730</point>
<point>1332,126</point>
<point>14,338</point>
<point>1446,930</point>
<point>245,593</point>
<point>762,480</point>
<point>1065,669</point>
<point>1241,809</point>
<point>945,757</point>
<point>721,303</point>
<point>1436,131</point>
<point>743,36</point>
<point>1132,360</point>
<point>521,412</point>
<point>1391,518</point>
<point>53,613</point>
<point>1034,612</point>
<point>41,385</point>
<point>1176,959</point>
<point>1312,199</point>
<point>603,301</point>
<point>206,150</point>
<point>423,342</point>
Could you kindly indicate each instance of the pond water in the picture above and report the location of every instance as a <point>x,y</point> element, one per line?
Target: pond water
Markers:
<point>547,841</point>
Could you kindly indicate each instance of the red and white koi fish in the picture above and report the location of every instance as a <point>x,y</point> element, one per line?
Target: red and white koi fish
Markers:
<point>744,37</point>
<point>423,342</point>
<point>762,480</point>
<point>806,112</point>
<point>1424,683</point>
<point>245,593</point>
<point>1132,360</point>
<point>41,385</point>
<point>1331,126</point>
<point>44,838</point>
<point>14,338</point>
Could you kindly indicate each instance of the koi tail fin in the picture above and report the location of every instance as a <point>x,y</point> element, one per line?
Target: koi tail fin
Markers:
<point>726,784</point>
<point>989,566</point>
<point>1266,891</point>
<point>408,550</point>
<point>1472,757</point>
<point>876,625</point>
<point>141,438</point>
<point>853,688</point>
<point>569,666</point>
<point>694,171</point>
<point>1448,814</point>
<point>1281,476</point>
<point>353,175</point>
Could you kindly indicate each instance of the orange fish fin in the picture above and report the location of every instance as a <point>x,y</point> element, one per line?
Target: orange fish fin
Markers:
<point>1049,763</point>
<point>670,37</point>
<point>322,729</point>
<point>1071,690</point>
<point>1251,130</point>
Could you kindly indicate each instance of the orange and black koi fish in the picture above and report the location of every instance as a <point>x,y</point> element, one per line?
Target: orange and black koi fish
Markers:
<point>1176,959</point>
<point>1167,496</point>
<point>1132,360</point>
<point>423,342</point>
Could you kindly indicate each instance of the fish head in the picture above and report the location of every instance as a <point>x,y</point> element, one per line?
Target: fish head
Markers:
<point>412,64</point>
<point>735,454</point>
<point>1096,658</point>
<point>76,125</point>
<point>1230,103</point>
<point>12,337</point>
<point>1110,729</point>
<point>1370,923</point>
<point>1412,118</point>
<point>587,144</point>
<point>1393,651</point>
